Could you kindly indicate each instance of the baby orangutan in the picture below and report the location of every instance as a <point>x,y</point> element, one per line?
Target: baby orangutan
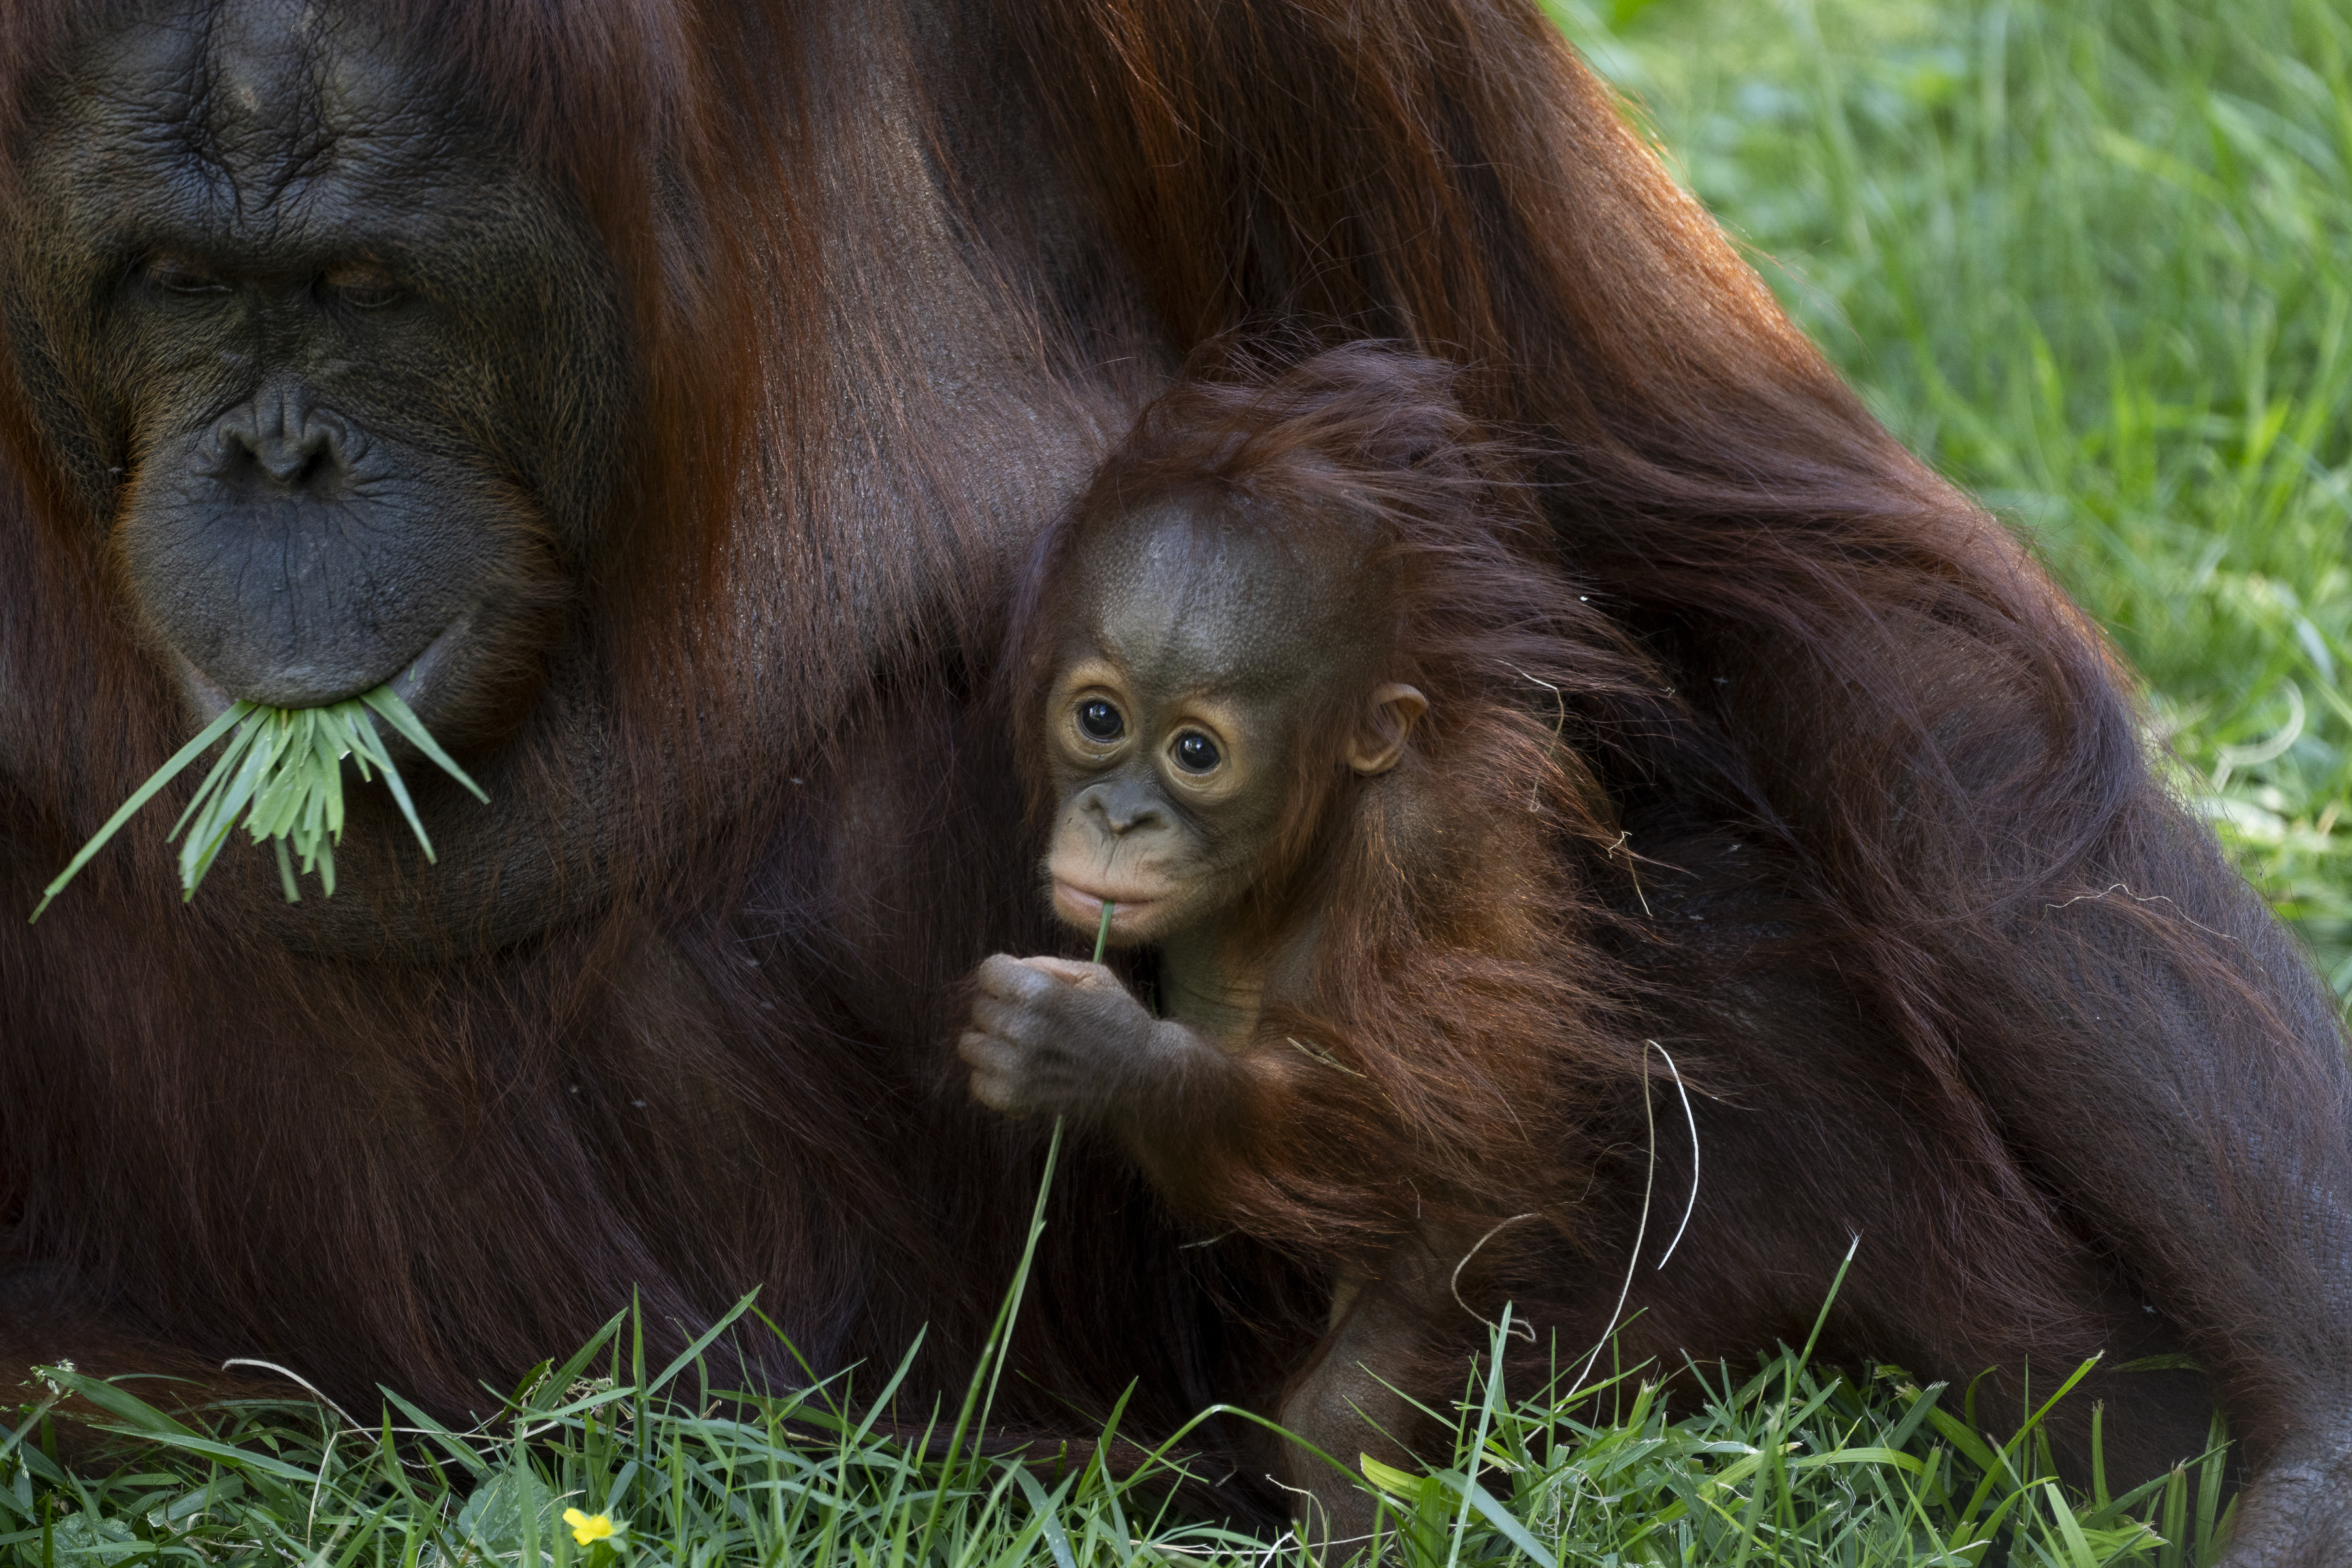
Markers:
<point>1301,717</point>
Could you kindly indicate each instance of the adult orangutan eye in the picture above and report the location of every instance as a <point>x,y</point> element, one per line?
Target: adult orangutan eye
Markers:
<point>1195,752</point>
<point>364,287</point>
<point>175,276</point>
<point>1100,721</point>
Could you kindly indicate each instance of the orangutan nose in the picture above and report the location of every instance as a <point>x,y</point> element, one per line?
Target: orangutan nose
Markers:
<point>280,434</point>
<point>1123,808</point>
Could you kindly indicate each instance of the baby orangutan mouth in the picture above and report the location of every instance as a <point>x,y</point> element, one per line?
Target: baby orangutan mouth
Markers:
<point>1082,909</point>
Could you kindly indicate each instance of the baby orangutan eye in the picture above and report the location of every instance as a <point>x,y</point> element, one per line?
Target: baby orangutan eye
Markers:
<point>1100,721</point>
<point>1195,752</point>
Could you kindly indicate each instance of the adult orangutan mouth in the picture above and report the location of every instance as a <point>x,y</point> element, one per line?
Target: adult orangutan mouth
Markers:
<point>414,683</point>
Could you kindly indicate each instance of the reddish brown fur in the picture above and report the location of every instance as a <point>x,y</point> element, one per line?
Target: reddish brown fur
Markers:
<point>878,266</point>
<point>1420,1112</point>
<point>1466,1032</point>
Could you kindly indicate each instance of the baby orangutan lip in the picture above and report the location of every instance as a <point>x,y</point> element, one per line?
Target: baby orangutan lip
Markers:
<point>1083,909</point>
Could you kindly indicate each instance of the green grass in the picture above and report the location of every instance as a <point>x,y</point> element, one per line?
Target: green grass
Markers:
<point>1788,1465</point>
<point>1784,1464</point>
<point>282,774</point>
<point>2094,260</point>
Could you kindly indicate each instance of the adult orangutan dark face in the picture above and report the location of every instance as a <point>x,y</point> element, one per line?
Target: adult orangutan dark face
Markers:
<point>338,377</point>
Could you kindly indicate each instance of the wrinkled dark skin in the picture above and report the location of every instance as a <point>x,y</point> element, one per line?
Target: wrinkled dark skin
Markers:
<point>347,383</point>
<point>302,330</point>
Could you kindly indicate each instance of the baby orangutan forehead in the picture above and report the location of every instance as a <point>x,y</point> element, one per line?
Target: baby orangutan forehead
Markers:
<point>1185,597</point>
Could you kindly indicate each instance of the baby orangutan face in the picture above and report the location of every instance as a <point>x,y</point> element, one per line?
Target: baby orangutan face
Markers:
<point>1195,662</point>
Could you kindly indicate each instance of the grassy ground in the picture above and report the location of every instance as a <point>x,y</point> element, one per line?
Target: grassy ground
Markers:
<point>603,1462</point>
<point>2092,257</point>
<point>1783,1466</point>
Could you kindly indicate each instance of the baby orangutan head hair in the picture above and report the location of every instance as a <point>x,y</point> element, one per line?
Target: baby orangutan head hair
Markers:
<point>1281,584</point>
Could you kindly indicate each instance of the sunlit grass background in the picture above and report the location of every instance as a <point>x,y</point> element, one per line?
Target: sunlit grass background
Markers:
<point>2095,260</point>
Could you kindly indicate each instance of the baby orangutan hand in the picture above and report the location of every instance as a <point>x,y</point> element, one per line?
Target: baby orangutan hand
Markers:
<point>1051,1035</point>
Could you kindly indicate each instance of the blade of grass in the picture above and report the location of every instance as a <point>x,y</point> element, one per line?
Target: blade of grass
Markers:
<point>140,797</point>
<point>393,782</point>
<point>386,702</point>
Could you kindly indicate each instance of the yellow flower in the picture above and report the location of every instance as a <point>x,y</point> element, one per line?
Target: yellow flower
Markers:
<point>587,1529</point>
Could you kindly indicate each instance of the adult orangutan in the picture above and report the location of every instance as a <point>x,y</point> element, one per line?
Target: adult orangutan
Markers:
<point>671,386</point>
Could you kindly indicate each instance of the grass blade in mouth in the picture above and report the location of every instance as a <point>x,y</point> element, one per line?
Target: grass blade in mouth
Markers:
<point>281,778</point>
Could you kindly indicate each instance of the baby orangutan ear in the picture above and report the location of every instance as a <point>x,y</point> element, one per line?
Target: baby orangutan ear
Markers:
<point>1379,745</point>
